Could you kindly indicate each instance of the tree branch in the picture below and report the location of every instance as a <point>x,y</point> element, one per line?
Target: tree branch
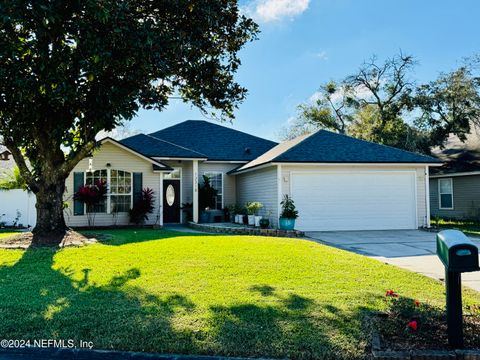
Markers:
<point>82,153</point>
<point>22,165</point>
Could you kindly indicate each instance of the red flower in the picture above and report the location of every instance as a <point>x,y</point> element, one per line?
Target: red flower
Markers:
<point>417,303</point>
<point>391,293</point>
<point>412,325</point>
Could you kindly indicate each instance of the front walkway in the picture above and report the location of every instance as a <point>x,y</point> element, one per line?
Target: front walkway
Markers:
<point>414,250</point>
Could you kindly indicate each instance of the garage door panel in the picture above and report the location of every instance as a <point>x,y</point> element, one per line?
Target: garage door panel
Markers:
<point>354,201</point>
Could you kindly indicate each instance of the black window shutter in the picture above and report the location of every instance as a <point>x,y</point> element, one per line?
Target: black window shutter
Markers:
<point>78,181</point>
<point>137,187</point>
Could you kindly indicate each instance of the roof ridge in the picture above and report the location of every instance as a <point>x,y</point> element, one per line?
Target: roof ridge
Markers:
<point>170,143</point>
<point>306,136</point>
<point>374,143</point>
<point>221,126</point>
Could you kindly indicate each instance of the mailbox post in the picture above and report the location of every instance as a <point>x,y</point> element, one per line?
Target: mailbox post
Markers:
<point>458,254</point>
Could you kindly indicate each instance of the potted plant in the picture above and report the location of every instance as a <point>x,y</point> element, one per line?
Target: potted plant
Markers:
<point>230,213</point>
<point>288,215</point>
<point>265,221</point>
<point>252,210</point>
<point>256,206</point>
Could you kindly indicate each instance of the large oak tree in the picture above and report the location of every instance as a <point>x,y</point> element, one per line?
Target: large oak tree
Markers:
<point>69,69</point>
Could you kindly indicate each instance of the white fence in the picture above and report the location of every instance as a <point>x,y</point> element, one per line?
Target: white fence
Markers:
<point>17,203</point>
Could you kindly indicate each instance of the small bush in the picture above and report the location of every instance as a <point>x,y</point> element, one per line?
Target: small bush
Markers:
<point>140,210</point>
<point>288,208</point>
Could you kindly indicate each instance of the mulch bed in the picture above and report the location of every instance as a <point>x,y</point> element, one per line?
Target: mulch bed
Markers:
<point>25,240</point>
<point>393,336</point>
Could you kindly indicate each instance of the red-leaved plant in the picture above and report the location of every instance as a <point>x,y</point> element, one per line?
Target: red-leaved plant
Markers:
<point>140,210</point>
<point>92,196</point>
<point>403,308</point>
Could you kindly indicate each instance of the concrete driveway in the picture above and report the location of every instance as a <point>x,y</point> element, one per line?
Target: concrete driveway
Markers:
<point>414,250</point>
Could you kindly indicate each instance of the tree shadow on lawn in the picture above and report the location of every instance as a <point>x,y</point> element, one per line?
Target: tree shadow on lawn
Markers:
<point>38,302</point>
<point>295,327</point>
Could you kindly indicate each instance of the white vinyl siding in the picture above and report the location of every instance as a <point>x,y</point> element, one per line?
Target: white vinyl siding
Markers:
<point>260,185</point>
<point>121,159</point>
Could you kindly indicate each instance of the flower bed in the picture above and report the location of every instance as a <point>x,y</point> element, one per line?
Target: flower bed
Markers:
<point>410,327</point>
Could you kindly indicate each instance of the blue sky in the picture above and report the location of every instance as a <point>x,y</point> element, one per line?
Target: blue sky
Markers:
<point>304,43</point>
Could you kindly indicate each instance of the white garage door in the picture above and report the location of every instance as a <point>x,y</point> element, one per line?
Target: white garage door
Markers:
<point>369,200</point>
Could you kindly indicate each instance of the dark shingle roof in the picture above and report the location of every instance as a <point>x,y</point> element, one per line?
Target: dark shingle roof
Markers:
<point>328,147</point>
<point>458,156</point>
<point>215,141</point>
<point>151,146</point>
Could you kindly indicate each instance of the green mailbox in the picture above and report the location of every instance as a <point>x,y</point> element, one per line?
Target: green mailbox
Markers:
<point>457,252</point>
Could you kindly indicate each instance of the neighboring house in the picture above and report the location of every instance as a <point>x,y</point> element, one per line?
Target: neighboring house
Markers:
<point>455,186</point>
<point>337,182</point>
<point>6,161</point>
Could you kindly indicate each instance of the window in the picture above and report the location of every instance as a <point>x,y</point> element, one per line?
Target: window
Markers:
<point>445,193</point>
<point>119,184</point>
<point>175,174</point>
<point>216,180</point>
<point>120,191</point>
<point>91,178</point>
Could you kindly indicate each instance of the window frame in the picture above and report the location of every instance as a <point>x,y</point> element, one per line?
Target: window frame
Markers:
<point>108,202</point>
<point>109,193</point>
<point>107,207</point>
<point>450,180</point>
<point>179,169</point>
<point>216,173</point>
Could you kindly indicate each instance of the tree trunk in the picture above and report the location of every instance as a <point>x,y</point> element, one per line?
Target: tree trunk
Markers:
<point>50,227</point>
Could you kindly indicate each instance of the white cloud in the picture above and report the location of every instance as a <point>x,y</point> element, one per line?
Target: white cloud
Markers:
<point>275,10</point>
<point>322,55</point>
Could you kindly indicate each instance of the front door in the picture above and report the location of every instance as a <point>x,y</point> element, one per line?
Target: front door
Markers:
<point>171,201</point>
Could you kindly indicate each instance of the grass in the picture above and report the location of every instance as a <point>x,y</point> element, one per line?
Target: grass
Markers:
<point>168,292</point>
<point>6,233</point>
<point>468,227</point>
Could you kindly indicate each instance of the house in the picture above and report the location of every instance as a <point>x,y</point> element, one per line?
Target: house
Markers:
<point>337,182</point>
<point>6,161</point>
<point>455,186</point>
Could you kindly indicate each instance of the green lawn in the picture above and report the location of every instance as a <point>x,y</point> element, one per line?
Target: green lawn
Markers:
<point>468,227</point>
<point>161,291</point>
<point>6,233</point>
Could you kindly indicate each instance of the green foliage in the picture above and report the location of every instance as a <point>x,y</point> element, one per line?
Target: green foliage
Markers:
<point>247,296</point>
<point>367,125</point>
<point>288,208</point>
<point>70,69</point>
<point>450,105</point>
<point>142,208</point>
<point>381,103</point>
<point>253,207</point>
<point>206,194</point>
<point>240,210</point>
<point>13,180</point>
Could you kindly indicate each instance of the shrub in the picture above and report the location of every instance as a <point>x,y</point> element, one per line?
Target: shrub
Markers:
<point>207,194</point>
<point>253,207</point>
<point>288,208</point>
<point>92,196</point>
<point>140,210</point>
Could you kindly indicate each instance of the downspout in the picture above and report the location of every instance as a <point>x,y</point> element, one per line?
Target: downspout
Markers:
<point>279,191</point>
<point>427,196</point>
